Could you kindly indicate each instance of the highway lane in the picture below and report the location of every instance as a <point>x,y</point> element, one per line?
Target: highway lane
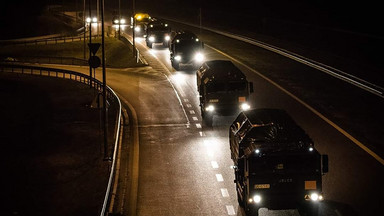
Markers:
<point>185,168</point>
<point>352,186</point>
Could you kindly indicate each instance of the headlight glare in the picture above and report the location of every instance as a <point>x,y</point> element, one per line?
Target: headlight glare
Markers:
<point>210,108</point>
<point>314,197</point>
<point>167,38</point>
<point>152,38</point>
<point>245,106</point>
<point>177,58</point>
<point>257,198</point>
<point>199,57</point>
<point>137,28</point>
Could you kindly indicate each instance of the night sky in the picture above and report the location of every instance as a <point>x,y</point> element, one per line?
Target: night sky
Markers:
<point>340,14</point>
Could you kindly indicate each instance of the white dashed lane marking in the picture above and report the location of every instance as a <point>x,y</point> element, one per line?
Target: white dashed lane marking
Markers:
<point>214,164</point>
<point>189,105</point>
<point>192,112</point>
<point>230,210</point>
<point>224,192</point>
<point>195,118</point>
<point>198,125</point>
<point>219,178</point>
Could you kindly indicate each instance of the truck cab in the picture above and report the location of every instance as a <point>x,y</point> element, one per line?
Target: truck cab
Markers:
<point>158,32</point>
<point>223,89</point>
<point>139,23</point>
<point>186,48</point>
<point>276,163</point>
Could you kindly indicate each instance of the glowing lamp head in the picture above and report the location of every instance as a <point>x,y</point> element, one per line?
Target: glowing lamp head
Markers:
<point>167,38</point>
<point>137,28</point>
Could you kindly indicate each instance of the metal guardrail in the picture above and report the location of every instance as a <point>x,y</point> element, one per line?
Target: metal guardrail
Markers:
<point>47,60</point>
<point>361,83</point>
<point>46,41</point>
<point>98,85</point>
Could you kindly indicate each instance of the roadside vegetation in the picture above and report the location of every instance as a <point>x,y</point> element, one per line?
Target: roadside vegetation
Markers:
<point>118,54</point>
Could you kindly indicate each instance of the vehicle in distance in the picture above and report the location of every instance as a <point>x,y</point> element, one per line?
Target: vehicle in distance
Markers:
<point>140,24</point>
<point>276,164</point>
<point>158,32</point>
<point>223,89</point>
<point>186,48</point>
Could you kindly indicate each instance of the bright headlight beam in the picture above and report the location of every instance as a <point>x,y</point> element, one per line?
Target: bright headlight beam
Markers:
<point>210,108</point>
<point>257,198</point>
<point>177,58</point>
<point>245,107</point>
<point>314,197</point>
<point>199,57</point>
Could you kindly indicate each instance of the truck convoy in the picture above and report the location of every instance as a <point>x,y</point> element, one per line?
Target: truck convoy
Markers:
<point>186,48</point>
<point>276,164</point>
<point>223,89</point>
<point>158,32</point>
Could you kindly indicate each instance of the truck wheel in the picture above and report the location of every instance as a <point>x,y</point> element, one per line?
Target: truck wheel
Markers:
<point>175,65</point>
<point>208,120</point>
<point>308,210</point>
<point>239,200</point>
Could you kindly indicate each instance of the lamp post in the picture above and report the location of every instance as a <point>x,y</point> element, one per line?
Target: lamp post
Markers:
<point>133,29</point>
<point>105,117</point>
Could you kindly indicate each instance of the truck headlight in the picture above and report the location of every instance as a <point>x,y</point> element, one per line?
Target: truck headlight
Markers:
<point>199,57</point>
<point>177,58</point>
<point>257,199</point>
<point>116,21</point>
<point>314,197</point>
<point>245,106</point>
<point>122,21</point>
<point>167,38</point>
<point>210,108</point>
<point>151,38</point>
<point>137,28</point>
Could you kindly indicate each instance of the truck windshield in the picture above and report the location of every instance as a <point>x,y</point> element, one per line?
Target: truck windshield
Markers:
<point>159,28</point>
<point>187,46</point>
<point>285,164</point>
<point>226,87</point>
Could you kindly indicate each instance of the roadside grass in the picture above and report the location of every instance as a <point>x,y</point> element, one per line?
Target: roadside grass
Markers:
<point>118,54</point>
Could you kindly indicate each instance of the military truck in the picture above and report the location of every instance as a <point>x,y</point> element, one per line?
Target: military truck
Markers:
<point>276,164</point>
<point>158,32</point>
<point>186,48</point>
<point>139,23</point>
<point>223,89</point>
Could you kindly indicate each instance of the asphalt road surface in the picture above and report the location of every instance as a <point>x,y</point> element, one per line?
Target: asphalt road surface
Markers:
<point>185,168</point>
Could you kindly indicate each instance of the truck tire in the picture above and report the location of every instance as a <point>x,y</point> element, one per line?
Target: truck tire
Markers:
<point>175,65</point>
<point>208,119</point>
<point>308,210</point>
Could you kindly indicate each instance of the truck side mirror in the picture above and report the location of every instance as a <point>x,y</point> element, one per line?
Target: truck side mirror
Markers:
<point>324,163</point>
<point>251,87</point>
